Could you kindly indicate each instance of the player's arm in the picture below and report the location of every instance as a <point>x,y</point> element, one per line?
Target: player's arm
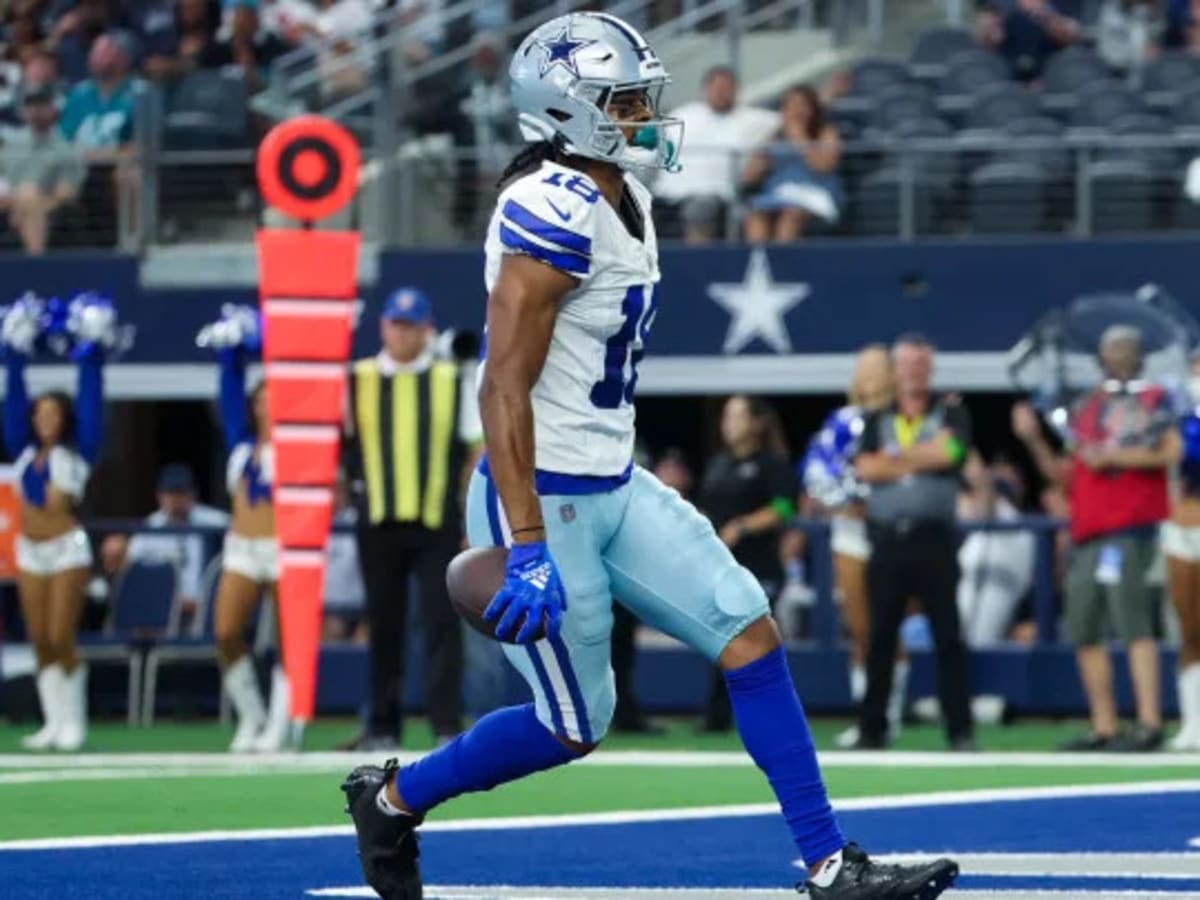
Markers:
<point>520,321</point>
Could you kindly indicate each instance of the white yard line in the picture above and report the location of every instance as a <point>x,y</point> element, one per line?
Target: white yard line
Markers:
<point>673,759</point>
<point>466,892</point>
<point>944,798</point>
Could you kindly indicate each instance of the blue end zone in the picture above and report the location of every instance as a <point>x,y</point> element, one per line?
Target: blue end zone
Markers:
<point>731,852</point>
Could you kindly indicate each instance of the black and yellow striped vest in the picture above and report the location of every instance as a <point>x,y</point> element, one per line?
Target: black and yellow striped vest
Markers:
<point>406,426</point>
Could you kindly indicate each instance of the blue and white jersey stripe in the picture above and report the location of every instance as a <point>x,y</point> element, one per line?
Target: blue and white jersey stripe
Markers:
<point>515,240</point>
<point>524,220</point>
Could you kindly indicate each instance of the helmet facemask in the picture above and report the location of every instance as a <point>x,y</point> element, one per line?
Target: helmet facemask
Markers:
<point>628,131</point>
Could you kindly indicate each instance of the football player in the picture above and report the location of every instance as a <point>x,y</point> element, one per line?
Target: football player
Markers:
<point>572,264</point>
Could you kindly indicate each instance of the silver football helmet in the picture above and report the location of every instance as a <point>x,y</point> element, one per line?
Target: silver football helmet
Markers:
<point>591,85</point>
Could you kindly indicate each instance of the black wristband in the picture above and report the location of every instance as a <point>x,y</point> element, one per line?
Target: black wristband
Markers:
<point>530,528</point>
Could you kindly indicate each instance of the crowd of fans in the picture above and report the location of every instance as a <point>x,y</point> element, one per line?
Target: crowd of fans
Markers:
<point>762,174</point>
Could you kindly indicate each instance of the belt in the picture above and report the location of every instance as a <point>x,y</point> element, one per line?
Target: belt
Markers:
<point>909,526</point>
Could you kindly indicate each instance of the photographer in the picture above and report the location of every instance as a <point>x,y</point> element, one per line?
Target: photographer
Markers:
<point>1115,475</point>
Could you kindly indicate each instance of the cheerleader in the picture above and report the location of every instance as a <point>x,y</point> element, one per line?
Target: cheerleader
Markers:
<point>828,479</point>
<point>56,442</point>
<point>1181,545</point>
<point>249,565</point>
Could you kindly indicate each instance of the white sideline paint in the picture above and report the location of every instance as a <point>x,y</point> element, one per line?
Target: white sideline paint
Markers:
<point>899,801</point>
<point>546,893</point>
<point>673,759</point>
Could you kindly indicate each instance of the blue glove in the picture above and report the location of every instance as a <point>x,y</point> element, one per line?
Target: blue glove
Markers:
<point>532,589</point>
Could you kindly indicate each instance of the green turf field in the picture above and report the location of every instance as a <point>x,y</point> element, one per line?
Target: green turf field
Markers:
<point>178,781</point>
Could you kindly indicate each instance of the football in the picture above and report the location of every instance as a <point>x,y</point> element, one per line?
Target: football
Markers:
<point>472,579</point>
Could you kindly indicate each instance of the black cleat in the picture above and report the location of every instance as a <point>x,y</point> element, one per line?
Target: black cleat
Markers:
<point>861,879</point>
<point>387,845</point>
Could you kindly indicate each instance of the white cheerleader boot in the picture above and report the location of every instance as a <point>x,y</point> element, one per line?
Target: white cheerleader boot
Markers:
<point>49,690</point>
<point>274,736</point>
<point>241,685</point>
<point>72,732</point>
<point>1189,710</point>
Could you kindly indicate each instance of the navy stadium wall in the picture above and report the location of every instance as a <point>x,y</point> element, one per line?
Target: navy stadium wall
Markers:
<point>811,298</point>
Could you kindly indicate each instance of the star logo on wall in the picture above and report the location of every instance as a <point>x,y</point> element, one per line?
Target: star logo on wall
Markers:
<point>560,51</point>
<point>757,305</point>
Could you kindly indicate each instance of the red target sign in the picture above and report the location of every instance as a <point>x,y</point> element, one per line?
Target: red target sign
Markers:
<point>308,167</point>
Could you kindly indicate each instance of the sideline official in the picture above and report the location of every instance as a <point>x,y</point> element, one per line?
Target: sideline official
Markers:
<point>415,427</point>
<point>911,454</point>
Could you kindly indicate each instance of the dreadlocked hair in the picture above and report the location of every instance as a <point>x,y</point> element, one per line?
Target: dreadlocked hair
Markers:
<point>529,159</point>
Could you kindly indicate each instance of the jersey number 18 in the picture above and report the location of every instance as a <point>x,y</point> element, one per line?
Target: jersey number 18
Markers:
<point>626,346</point>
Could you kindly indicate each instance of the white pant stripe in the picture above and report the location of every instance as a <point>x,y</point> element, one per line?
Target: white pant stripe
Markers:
<point>562,695</point>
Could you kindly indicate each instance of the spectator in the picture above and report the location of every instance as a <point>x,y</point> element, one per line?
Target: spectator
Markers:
<point>41,70</point>
<point>98,116</point>
<point>748,491</point>
<point>795,177</point>
<point>719,132</point>
<point>1026,32</point>
<point>488,107</point>
<point>177,505</point>
<point>42,171</point>
<point>76,29</point>
<point>244,42</point>
<point>1129,33</point>
<point>1124,443</point>
<point>339,25</point>
<point>910,454</point>
<point>995,567</point>
<point>1181,30</point>
<point>194,35</point>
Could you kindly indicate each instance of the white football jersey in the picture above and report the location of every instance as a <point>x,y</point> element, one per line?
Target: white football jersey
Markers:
<point>583,401</point>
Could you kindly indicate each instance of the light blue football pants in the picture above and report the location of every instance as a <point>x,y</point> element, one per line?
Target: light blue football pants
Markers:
<point>641,544</point>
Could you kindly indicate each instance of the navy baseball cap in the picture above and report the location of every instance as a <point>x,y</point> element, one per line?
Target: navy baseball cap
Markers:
<point>408,304</point>
<point>175,478</point>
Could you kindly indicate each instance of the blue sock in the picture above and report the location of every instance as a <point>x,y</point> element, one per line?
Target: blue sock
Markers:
<point>503,746</point>
<point>775,732</point>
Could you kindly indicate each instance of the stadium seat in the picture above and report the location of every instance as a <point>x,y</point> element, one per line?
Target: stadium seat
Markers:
<point>995,105</point>
<point>1053,158</point>
<point>142,612</point>
<point>1102,103</point>
<point>934,49</point>
<point>938,168</point>
<point>1172,73</point>
<point>1068,73</point>
<point>1122,196</point>
<point>1008,198</point>
<point>1186,114</point>
<point>877,208</point>
<point>876,74</point>
<point>198,645</point>
<point>968,71</point>
<point>1162,161</point>
<point>207,110</point>
<point>899,104</point>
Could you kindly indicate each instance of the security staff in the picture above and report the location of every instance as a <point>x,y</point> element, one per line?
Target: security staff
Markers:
<point>911,453</point>
<point>414,423</point>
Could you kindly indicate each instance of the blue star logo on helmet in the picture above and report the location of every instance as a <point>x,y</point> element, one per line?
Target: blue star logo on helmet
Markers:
<point>561,50</point>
